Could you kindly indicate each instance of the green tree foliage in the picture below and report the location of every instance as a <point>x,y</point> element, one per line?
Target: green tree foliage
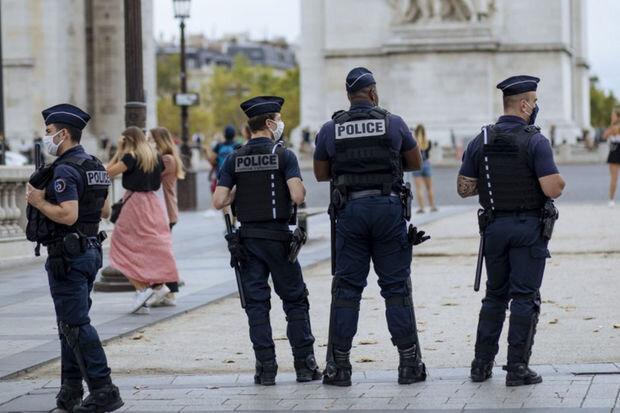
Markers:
<point>221,95</point>
<point>601,105</point>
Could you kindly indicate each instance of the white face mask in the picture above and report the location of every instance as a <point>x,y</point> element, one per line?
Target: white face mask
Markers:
<point>277,134</point>
<point>50,146</point>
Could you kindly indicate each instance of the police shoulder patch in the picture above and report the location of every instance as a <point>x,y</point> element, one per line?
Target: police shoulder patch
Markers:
<point>60,185</point>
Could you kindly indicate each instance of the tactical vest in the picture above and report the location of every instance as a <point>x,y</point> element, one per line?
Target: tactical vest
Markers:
<point>506,181</point>
<point>262,193</point>
<point>365,158</point>
<point>96,181</point>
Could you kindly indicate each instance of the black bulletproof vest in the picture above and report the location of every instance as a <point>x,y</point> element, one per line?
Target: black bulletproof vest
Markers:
<point>365,158</point>
<point>96,182</point>
<point>262,193</point>
<point>506,181</point>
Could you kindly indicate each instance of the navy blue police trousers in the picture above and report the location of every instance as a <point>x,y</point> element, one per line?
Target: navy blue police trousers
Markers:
<point>372,228</point>
<point>515,254</point>
<point>271,257</point>
<point>72,302</point>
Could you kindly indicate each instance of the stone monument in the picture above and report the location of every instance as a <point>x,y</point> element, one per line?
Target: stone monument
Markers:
<point>437,61</point>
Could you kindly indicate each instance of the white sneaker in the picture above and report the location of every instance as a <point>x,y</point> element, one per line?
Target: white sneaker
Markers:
<point>141,298</point>
<point>169,301</point>
<point>158,296</point>
<point>211,213</point>
<point>143,310</point>
<point>611,204</point>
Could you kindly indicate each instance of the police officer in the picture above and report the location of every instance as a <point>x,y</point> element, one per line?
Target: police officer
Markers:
<point>268,185</point>
<point>64,216</point>
<point>364,151</point>
<point>510,166</point>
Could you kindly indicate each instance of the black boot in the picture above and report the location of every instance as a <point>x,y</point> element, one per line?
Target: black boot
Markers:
<point>411,369</point>
<point>338,372</point>
<point>103,398</point>
<point>266,372</point>
<point>481,370</point>
<point>69,396</point>
<point>307,369</point>
<point>520,374</point>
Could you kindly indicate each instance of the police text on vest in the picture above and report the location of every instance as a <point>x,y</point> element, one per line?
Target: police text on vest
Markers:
<point>252,163</point>
<point>360,128</point>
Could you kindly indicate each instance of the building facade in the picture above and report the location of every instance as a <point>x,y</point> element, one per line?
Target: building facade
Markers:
<point>437,61</point>
<point>70,51</point>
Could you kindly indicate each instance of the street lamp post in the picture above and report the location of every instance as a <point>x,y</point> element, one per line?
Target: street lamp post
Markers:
<point>186,187</point>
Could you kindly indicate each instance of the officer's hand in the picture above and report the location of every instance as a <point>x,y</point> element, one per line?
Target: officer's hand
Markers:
<point>34,196</point>
<point>237,250</point>
<point>417,237</point>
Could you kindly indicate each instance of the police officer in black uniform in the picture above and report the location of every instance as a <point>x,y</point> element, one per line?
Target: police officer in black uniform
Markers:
<point>264,181</point>
<point>66,201</point>
<point>364,152</point>
<point>510,167</point>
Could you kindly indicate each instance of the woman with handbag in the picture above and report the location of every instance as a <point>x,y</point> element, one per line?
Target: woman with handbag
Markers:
<point>161,139</point>
<point>141,246</point>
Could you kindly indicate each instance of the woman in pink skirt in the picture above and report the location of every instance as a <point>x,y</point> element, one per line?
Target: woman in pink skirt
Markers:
<point>141,246</point>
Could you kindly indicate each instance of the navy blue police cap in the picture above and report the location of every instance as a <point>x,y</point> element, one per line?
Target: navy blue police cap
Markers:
<point>358,78</point>
<point>515,85</point>
<point>67,114</point>
<point>261,105</point>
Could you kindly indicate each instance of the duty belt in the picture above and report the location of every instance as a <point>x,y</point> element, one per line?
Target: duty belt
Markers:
<point>367,193</point>
<point>270,234</point>
<point>528,213</point>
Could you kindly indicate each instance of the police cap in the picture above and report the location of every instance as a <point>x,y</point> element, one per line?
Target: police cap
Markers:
<point>67,114</point>
<point>261,105</point>
<point>515,85</point>
<point>358,78</point>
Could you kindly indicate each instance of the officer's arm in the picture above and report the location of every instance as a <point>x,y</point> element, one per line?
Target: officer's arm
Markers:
<point>65,213</point>
<point>223,197</point>
<point>297,190</point>
<point>412,159</point>
<point>466,186</point>
<point>105,211</point>
<point>552,185</point>
<point>321,170</point>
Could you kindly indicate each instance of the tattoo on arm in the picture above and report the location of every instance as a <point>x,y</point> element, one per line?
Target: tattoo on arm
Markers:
<point>466,186</point>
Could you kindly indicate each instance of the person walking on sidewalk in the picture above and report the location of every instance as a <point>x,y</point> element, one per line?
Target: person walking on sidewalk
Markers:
<point>268,184</point>
<point>424,177</point>
<point>221,151</point>
<point>141,246</point>
<point>173,171</point>
<point>70,198</point>
<point>510,167</point>
<point>364,151</point>
<point>612,134</point>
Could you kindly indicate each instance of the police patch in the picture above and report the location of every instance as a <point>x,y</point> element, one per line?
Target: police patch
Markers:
<point>60,185</point>
<point>252,163</point>
<point>360,128</point>
<point>97,178</point>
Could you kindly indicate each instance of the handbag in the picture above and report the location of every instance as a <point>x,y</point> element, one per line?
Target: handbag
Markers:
<point>116,209</point>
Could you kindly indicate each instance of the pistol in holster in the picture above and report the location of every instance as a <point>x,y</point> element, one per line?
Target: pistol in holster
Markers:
<point>550,214</point>
<point>406,196</point>
<point>298,239</point>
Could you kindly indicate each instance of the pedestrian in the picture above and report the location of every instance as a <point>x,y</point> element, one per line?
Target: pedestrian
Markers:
<point>510,166</point>
<point>173,171</point>
<point>364,152</point>
<point>70,198</point>
<point>268,185</point>
<point>612,134</point>
<point>424,177</point>
<point>141,246</point>
<point>220,152</point>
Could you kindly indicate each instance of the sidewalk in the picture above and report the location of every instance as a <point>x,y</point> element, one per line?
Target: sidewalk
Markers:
<point>28,334</point>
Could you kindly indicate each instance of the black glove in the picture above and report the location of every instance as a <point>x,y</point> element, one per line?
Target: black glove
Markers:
<point>416,237</point>
<point>237,250</point>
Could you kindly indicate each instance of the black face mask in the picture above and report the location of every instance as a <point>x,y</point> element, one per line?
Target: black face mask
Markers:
<point>533,115</point>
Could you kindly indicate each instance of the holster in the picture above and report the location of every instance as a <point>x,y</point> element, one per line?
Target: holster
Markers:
<point>550,214</point>
<point>298,239</point>
<point>406,196</point>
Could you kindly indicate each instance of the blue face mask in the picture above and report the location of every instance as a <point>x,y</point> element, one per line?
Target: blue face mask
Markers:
<point>533,114</point>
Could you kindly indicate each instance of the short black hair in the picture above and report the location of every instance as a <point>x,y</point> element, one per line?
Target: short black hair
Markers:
<point>257,123</point>
<point>75,133</point>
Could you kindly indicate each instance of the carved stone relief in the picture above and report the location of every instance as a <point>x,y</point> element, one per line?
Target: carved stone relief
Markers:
<point>423,11</point>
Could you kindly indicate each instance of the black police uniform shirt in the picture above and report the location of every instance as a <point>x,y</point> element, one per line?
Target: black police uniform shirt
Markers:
<point>226,177</point>
<point>135,179</point>
<point>66,184</point>
<point>540,154</point>
<point>402,139</point>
